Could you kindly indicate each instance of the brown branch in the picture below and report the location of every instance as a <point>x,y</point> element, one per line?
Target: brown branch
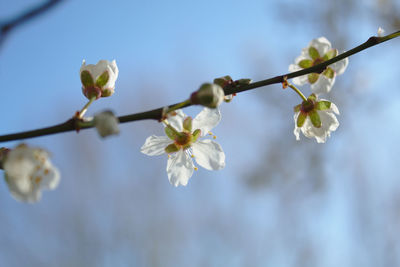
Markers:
<point>156,114</point>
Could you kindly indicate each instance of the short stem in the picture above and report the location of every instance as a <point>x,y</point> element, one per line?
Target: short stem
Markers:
<point>297,91</point>
<point>85,108</point>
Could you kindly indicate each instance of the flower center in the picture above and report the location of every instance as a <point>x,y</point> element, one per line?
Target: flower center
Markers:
<point>318,61</point>
<point>307,106</point>
<point>183,139</point>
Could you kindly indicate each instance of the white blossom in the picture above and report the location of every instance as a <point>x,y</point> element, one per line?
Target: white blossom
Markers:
<point>318,51</point>
<point>28,171</point>
<point>99,80</point>
<point>315,119</point>
<point>106,123</point>
<point>381,32</point>
<point>184,142</point>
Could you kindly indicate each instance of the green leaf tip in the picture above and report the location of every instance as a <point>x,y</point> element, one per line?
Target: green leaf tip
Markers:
<point>103,79</point>
<point>87,79</point>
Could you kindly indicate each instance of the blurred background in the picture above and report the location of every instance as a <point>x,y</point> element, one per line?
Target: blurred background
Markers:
<point>278,202</point>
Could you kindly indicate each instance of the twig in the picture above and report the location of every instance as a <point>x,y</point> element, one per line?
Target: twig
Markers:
<point>30,14</point>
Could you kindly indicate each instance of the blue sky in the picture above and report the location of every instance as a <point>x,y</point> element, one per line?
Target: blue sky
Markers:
<point>115,207</point>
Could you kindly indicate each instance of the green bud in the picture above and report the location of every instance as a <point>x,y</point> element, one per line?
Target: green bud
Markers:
<point>305,63</point>
<point>314,54</point>
<point>171,132</point>
<point>171,148</point>
<point>323,105</point>
<point>313,77</point>
<point>209,95</point>
<point>103,79</point>
<point>196,134</point>
<point>86,79</point>
<point>312,97</point>
<point>301,119</point>
<point>330,73</point>
<point>330,54</point>
<point>187,124</point>
<point>315,119</point>
<point>223,81</point>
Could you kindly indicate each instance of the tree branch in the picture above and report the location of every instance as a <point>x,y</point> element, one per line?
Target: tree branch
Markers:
<point>30,14</point>
<point>156,114</point>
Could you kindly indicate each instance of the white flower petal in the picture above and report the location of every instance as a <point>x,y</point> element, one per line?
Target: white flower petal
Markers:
<point>340,66</point>
<point>304,55</point>
<point>323,85</point>
<point>381,32</point>
<point>334,108</point>
<point>209,154</point>
<point>298,80</point>
<point>321,44</point>
<point>296,130</point>
<point>207,119</point>
<point>177,120</point>
<point>155,145</point>
<point>179,168</point>
<point>329,124</point>
<point>50,177</point>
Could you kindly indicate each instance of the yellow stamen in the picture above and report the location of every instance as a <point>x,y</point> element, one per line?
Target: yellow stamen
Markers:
<point>196,169</point>
<point>214,137</point>
<point>192,156</point>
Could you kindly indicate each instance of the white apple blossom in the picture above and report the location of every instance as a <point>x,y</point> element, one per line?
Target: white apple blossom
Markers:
<point>28,171</point>
<point>106,123</point>
<point>318,51</point>
<point>98,80</point>
<point>315,118</point>
<point>183,142</point>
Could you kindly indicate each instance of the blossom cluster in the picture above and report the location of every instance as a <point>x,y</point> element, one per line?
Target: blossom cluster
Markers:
<point>315,117</point>
<point>28,170</point>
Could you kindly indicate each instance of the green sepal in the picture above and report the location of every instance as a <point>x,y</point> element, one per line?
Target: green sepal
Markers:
<point>171,132</point>
<point>312,97</point>
<point>314,54</point>
<point>330,73</point>
<point>171,148</point>
<point>330,54</point>
<point>305,63</point>
<point>315,119</point>
<point>187,124</point>
<point>323,105</point>
<point>301,119</point>
<point>195,135</point>
<point>297,108</point>
<point>87,79</point>
<point>222,81</point>
<point>243,81</point>
<point>103,79</point>
<point>313,77</point>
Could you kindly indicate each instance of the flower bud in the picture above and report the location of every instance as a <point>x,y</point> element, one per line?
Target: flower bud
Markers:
<point>106,123</point>
<point>98,80</point>
<point>209,95</point>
